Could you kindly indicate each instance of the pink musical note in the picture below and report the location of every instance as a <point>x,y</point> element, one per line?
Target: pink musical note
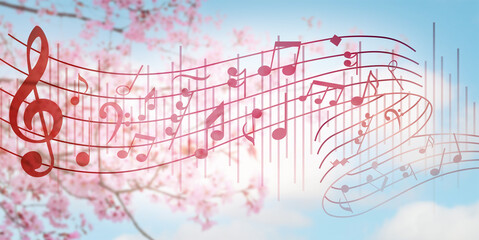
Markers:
<point>119,116</point>
<point>175,118</point>
<point>458,157</point>
<point>140,157</point>
<point>359,100</point>
<point>362,134</point>
<point>31,161</point>
<point>430,139</point>
<point>280,132</point>
<point>344,190</point>
<point>255,114</point>
<point>319,100</point>
<point>75,100</point>
<point>236,83</point>
<point>370,179</point>
<point>150,96</point>
<point>349,63</point>
<point>287,70</point>
<point>217,135</point>
<point>436,171</point>
<point>127,87</point>
<point>405,174</point>
<point>83,158</point>
<point>392,66</point>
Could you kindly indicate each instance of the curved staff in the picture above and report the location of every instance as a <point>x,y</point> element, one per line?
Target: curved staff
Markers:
<point>32,160</point>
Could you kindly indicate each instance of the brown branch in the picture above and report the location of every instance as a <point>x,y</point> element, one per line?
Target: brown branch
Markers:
<point>59,14</point>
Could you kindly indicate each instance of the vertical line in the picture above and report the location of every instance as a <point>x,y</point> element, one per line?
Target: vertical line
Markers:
<point>458,89</point>
<point>434,73</point>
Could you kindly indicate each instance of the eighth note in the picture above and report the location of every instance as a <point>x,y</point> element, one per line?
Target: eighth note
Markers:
<point>458,157</point>
<point>436,171</point>
<point>359,100</point>
<point>75,100</point>
<point>140,157</point>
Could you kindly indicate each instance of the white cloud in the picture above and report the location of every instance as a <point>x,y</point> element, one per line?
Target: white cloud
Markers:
<point>427,220</point>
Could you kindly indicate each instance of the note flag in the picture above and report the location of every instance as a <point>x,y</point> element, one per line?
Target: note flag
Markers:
<point>216,134</point>
<point>359,100</point>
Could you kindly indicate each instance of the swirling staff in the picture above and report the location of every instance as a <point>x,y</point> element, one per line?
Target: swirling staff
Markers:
<point>32,160</point>
<point>345,197</point>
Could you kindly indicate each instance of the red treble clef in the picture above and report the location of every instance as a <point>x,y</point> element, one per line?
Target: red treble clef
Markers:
<point>32,160</point>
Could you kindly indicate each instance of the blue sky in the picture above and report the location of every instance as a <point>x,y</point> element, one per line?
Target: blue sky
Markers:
<point>300,213</point>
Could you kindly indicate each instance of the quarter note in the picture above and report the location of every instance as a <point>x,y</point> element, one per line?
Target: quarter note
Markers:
<point>287,70</point>
<point>319,100</point>
<point>359,100</point>
<point>75,100</point>
<point>280,132</point>
<point>140,157</point>
<point>458,157</point>
<point>127,88</point>
<point>436,171</point>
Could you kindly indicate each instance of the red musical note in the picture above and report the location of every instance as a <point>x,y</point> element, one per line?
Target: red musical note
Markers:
<point>287,70</point>
<point>255,114</point>
<point>83,158</point>
<point>370,179</point>
<point>236,83</point>
<point>140,157</point>
<point>32,160</point>
<point>119,116</point>
<point>436,171</point>
<point>216,134</point>
<point>75,100</point>
<point>359,100</point>
<point>348,62</point>
<point>280,133</point>
<point>391,67</point>
<point>150,96</point>
<point>128,87</point>
<point>430,139</point>
<point>344,190</point>
<point>319,100</point>
<point>458,157</point>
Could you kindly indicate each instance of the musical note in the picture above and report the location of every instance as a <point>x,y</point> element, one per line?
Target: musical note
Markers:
<point>365,123</point>
<point>280,133</point>
<point>287,70</point>
<point>405,174</point>
<point>369,178</point>
<point>319,100</point>
<point>335,40</point>
<point>359,100</point>
<point>349,63</point>
<point>436,171</point>
<point>216,134</point>
<point>175,118</point>
<point>150,96</point>
<point>391,67</point>
<point>430,139</point>
<point>395,113</point>
<point>128,87</point>
<point>75,100</point>
<point>235,83</point>
<point>32,160</point>
<point>83,158</point>
<point>119,116</point>
<point>344,190</point>
<point>140,157</point>
<point>255,114</point>
<point>458,157</point>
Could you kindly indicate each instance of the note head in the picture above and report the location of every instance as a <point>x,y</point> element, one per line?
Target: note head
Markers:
<point>457,158</point>
<point>232,71</point>
<point>82,159</point>
<point>369,178</point>
<point>201,153</point>
<point>356,101</point>
<point>347,54</point>
<point>279,133</point>
<point>233,83</point>
<point>347,63</point>
<point>318,100</point>
<point>122,154</point>
<point>434,172</point>
<point>335,40</point>
<point>345,188</point>
<point>264,71</point>
<point>374,165</point>
<point>333,103</point>
<point>257,113</point>
<point>74,100</point>
<point>302,98</point>
<point>141,157</point>
<point>169,131</point>
<point>217,135</point>
<point>289,70</point>
<point>422,150</point>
